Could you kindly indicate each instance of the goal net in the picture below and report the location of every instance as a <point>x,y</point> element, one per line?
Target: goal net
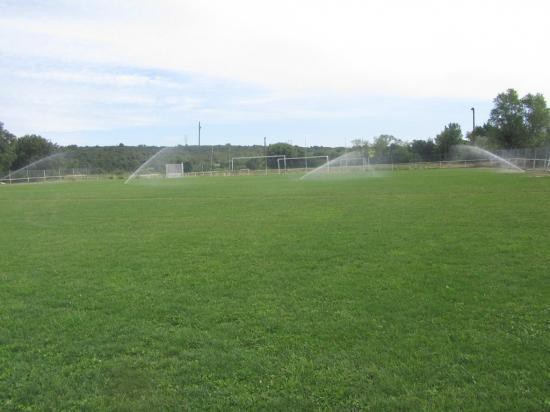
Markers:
<point>174,170</point>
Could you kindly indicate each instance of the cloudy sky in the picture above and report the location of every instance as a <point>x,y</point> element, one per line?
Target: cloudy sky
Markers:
<point>323,71</point>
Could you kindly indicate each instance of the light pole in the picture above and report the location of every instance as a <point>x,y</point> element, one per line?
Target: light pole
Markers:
<point>265,154</point>
<point>305,151</point>
<point>473,118</point>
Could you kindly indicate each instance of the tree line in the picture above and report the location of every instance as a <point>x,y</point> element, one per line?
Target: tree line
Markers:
<point>514,122</point>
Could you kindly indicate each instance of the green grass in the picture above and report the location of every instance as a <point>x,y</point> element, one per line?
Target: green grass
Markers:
<point>419,290</point>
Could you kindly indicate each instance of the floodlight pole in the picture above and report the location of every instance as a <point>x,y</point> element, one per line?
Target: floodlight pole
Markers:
<point>199,134</point>
<point>229,157</point>
<point>473,118</point>
<point>265,154</point>
<point>212,159</point>
<point>305,150</point>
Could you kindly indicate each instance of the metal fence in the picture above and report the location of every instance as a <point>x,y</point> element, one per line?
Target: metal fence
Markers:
<point>42,175</point>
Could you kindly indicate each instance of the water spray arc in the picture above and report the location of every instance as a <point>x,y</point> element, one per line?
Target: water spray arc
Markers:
<point>146,163</point>
<point>350,162</point>
<point>36,163</point>
<point>464,151</point>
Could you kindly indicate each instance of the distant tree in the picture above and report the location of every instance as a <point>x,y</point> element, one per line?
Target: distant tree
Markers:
<point>450,136</point>
<point>483,136</point>
<point>7,149</point>
<point>507,120</point>
<point>424,150</point>
<point>380,148</point>
<point>187,166</point>
<point>30,148</point>
<point>255,163</point>
<point>518,123</point>
<point>536,116</point>
<point>281,149</point>
<point>360,145</point>
<point>399,152</point>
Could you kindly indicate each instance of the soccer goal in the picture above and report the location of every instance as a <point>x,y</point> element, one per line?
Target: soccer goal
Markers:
<point>174,170</point>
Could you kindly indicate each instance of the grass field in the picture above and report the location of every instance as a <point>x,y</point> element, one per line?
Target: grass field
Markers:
<point>418,290</point>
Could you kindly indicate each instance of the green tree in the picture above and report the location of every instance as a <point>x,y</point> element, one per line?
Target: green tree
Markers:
<point>424,150</point>
<point>380,148</point>
<point>360,145</point>
<point>536,119</point>
<point>30,148</point>
<point>7,149</point>
<point>483,136</point>
<point>282,149</point>
<point>450,136</point>
<point>254,164</point>
<point>400,152</point>
<point>507,119</point>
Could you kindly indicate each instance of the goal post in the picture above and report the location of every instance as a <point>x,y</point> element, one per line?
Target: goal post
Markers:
<point>174,170</point>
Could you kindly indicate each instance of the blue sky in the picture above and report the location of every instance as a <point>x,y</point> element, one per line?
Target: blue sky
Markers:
<point>321,72</point>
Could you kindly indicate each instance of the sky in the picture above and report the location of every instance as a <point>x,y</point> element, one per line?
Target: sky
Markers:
<point>306,72</point>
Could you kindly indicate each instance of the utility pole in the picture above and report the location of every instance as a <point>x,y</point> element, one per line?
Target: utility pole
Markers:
<point>199,134</point>
<point>473,119</point>
<point>185,138</point>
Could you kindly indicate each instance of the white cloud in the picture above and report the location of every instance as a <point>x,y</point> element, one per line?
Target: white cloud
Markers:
<point>423,48</point>
<point>64,101</point>
<point>75,65</point>
<point>95,78</point>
